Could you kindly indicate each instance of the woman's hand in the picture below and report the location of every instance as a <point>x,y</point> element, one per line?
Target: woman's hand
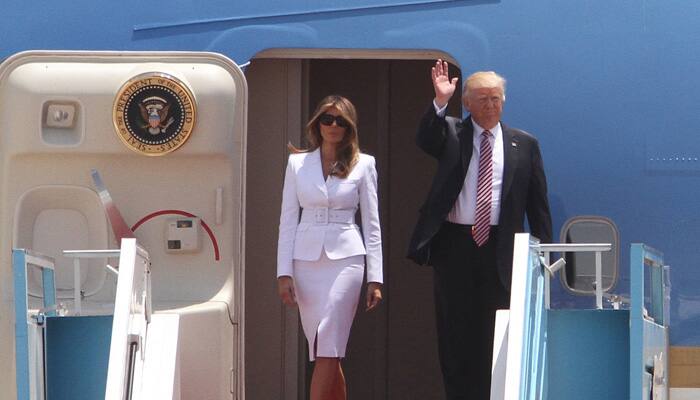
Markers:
<point>285,288</point>
<point>374,295</point>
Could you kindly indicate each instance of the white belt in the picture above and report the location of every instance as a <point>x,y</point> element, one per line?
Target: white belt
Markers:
<point>324,215</point>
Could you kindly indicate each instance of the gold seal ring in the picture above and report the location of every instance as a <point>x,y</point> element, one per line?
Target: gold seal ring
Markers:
<point>154,113</point>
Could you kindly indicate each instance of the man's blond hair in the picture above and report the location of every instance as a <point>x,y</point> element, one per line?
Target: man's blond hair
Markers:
<point>484,79</point>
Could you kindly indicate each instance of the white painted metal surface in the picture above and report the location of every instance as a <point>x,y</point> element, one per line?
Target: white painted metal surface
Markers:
<point>130,324</point>
<point>518,316</point>
<point>47,186</point>
<point>500,355</point>
<point>161,370</point>
<point>685,393</point>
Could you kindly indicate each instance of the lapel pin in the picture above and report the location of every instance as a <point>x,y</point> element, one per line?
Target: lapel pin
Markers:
<point>513,144</point>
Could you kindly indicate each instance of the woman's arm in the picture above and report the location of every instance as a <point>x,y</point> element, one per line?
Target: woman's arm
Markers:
<point>371,231</point>
<point>289,219</point>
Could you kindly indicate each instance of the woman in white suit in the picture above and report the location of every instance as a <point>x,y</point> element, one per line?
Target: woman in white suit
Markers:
<point>321,251</point>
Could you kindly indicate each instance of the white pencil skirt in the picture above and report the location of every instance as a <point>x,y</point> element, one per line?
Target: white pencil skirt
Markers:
<point>327,293</point>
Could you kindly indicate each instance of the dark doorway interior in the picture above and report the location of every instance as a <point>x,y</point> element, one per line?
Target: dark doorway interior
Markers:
<point>392,353</point>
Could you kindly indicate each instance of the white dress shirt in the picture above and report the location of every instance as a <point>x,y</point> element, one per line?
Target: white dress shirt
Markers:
<point>464,209</point>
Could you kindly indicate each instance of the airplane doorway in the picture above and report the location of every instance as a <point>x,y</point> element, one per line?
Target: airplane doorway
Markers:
<point>392,351</point>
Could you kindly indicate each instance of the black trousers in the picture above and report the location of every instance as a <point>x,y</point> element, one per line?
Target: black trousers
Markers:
<point>467,294</point>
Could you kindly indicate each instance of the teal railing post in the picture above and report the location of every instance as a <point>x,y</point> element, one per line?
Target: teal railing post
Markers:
<point>648,336</point>
<point>20,260</point>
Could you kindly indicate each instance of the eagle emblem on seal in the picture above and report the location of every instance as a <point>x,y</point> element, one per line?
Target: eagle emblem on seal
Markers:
<point>154,112</point>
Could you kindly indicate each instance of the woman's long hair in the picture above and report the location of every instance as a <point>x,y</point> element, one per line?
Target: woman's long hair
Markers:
<point>348,150</point>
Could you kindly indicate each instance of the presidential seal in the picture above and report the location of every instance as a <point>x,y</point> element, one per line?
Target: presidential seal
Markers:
<point>154,113</point>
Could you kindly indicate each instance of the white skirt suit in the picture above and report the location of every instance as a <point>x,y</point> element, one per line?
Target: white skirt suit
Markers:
<point>322,248</point>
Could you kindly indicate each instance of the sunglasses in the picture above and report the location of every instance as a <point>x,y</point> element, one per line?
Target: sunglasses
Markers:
<point>327,120</point>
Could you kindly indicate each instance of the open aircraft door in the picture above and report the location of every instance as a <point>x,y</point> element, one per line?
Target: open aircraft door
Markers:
<point>167,133</point>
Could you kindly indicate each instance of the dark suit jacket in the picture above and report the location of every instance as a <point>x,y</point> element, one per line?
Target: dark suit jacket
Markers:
<point>524,190</point>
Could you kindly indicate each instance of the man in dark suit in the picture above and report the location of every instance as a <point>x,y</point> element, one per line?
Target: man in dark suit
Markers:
<point>489,177</point>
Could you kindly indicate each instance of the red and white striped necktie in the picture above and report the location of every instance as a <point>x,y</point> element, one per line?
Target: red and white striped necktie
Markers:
<point>482,221</point>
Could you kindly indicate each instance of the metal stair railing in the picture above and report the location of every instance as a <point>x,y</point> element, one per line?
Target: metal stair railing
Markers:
<point>29,326</point>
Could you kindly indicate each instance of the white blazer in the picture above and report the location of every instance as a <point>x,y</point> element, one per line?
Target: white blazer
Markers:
<point>331,204</point>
